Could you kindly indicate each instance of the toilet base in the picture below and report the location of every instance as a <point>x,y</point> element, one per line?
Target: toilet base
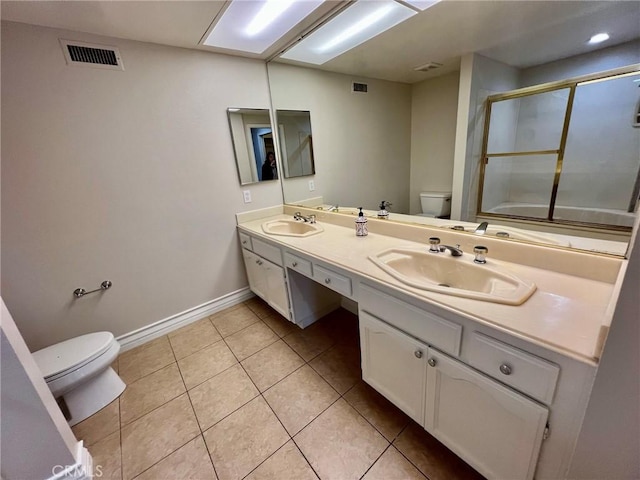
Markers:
<point>92,395</point>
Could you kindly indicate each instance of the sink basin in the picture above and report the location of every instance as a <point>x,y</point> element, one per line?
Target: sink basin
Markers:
<point>291,228</point>
<point>457,276</point>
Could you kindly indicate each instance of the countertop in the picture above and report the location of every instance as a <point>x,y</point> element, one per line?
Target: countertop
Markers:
<point>567,314</point>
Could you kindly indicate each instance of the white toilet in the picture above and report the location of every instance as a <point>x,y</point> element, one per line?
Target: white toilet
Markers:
<point>79,370</point>
<point>435,204</point>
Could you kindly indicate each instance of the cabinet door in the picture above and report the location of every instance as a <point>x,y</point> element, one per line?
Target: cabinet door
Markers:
<point>255,273</point>
<point>276,288</point>
<point>493,428</point>
<point>394,364</point>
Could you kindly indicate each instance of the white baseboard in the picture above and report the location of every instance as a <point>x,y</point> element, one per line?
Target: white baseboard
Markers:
<point>81,470</point>
<point>162,327</point>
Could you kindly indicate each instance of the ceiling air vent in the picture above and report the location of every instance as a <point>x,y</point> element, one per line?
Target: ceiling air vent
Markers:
<point>359,87</point>
<point>90,55</point>
<point>427,67</point>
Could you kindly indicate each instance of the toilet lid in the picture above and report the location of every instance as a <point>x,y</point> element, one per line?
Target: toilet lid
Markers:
<point>72,353</point>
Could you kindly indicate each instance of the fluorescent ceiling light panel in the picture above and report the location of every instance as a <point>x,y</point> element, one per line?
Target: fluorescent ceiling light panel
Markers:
<point>598,38</point>
<point>355,25</point>
<point>422,4</point>
<point>254,25</point>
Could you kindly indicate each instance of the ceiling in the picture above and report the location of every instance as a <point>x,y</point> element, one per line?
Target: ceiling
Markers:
<point>520,33</point>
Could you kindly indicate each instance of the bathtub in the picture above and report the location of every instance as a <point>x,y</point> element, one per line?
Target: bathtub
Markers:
<point>575,214</point>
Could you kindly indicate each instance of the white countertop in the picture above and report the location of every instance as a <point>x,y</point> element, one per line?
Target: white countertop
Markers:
<point>566,314</point>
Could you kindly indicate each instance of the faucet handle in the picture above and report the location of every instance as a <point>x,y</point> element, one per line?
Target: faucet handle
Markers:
<point>434,242</point>
<point>481,252</point>
<point>312,218</point>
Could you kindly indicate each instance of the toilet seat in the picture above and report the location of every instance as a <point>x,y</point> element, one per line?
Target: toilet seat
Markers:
<point>65,357</point>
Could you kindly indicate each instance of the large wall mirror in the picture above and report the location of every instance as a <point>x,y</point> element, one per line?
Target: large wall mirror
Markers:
<point>400,138</point>
<point>253,144</point>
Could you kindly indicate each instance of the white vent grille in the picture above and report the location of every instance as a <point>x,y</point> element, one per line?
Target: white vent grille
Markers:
<point>90,55</point>
<point>428,67</point>
<point>357,87</point>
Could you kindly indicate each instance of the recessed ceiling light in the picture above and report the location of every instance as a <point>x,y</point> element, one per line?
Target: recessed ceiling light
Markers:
<point>356,24</point>
<point>253,26</point>
<point>598,38</point>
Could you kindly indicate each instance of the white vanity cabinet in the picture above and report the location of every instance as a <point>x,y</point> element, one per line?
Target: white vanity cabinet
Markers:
<point>266,276</point>
<point>394,364</point>
<point>492,427</point>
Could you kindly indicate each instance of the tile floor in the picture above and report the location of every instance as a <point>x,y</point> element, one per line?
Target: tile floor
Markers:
<point>246,394</point>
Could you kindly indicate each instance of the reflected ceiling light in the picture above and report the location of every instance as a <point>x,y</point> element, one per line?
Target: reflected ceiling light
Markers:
<point>253,26</point>
<point>356,24</point>
<point>421,4</point>
<point>598,38</point>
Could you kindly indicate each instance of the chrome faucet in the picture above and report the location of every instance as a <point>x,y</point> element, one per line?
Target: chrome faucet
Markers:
<point>482,228</point>
<point>298,217</point>
<point>333,208</point>
<point>435,247</point>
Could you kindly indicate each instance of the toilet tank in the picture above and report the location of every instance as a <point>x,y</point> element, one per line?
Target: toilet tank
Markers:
<point>435,204</point>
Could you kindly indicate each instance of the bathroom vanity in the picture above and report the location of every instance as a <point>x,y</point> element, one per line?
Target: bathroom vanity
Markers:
<point>503,386</point>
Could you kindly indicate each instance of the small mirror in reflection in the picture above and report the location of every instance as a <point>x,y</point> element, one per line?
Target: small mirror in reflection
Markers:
<point>296,146</point>
<point>253,145</point>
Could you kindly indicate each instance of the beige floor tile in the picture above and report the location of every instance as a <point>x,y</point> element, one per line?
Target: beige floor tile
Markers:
<point>219,396</point>
<point>107,464</point>
<point>260,307</point>
<point>432,458</point>
<point>300,398</point>
<point>145,359</point>
<point>393,466</point>
<point>190,462</point>
<point>287,462</point>
<point>157,388</point>
<point>206,363</point>
<point>380,412</point>
<point>250,340</point>
<point>99,425</point>
<point>340,444</point>
<point>272,364</point>
<point>340,366</point>
<point>193,337</point>
<point>232,321</point>
<point>310,342</point>
<point>280,325</point>
<point>244,439</point>
<point>157,434</point>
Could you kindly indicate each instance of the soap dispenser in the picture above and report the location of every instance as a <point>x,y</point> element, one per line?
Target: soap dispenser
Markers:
<point>361,225</point>
<point>383,213</point>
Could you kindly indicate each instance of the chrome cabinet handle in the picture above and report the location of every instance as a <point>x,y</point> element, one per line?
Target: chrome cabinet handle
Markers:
<point>505,369</point>
<point>294,264</point>
<point>327,281</point>
<point>418,353</point>
<point>432,362</point>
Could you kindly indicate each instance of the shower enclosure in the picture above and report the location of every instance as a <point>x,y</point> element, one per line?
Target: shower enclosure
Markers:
<point>565,152</point>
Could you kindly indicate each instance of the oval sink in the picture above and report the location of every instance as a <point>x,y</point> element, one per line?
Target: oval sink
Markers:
<point>291,228</point>
<point>457,276</point>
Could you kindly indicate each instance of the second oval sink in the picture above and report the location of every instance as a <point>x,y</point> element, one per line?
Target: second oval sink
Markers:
<point>457,276</point>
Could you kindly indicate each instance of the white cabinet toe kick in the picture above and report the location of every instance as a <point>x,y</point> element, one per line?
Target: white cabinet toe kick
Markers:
<point>507,406</point>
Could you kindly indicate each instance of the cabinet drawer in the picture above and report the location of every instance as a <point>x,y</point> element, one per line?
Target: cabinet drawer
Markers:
<point>525,372</point>
<point>245,241</point>
<point>333,280</point>
<point>429,328</point>
<point>298,264</point>
<point>267,251</point>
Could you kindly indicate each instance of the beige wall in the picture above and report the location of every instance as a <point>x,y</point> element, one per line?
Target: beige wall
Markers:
<point>434,106</point>
<point>121,175</point>
<point>361,142</point>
